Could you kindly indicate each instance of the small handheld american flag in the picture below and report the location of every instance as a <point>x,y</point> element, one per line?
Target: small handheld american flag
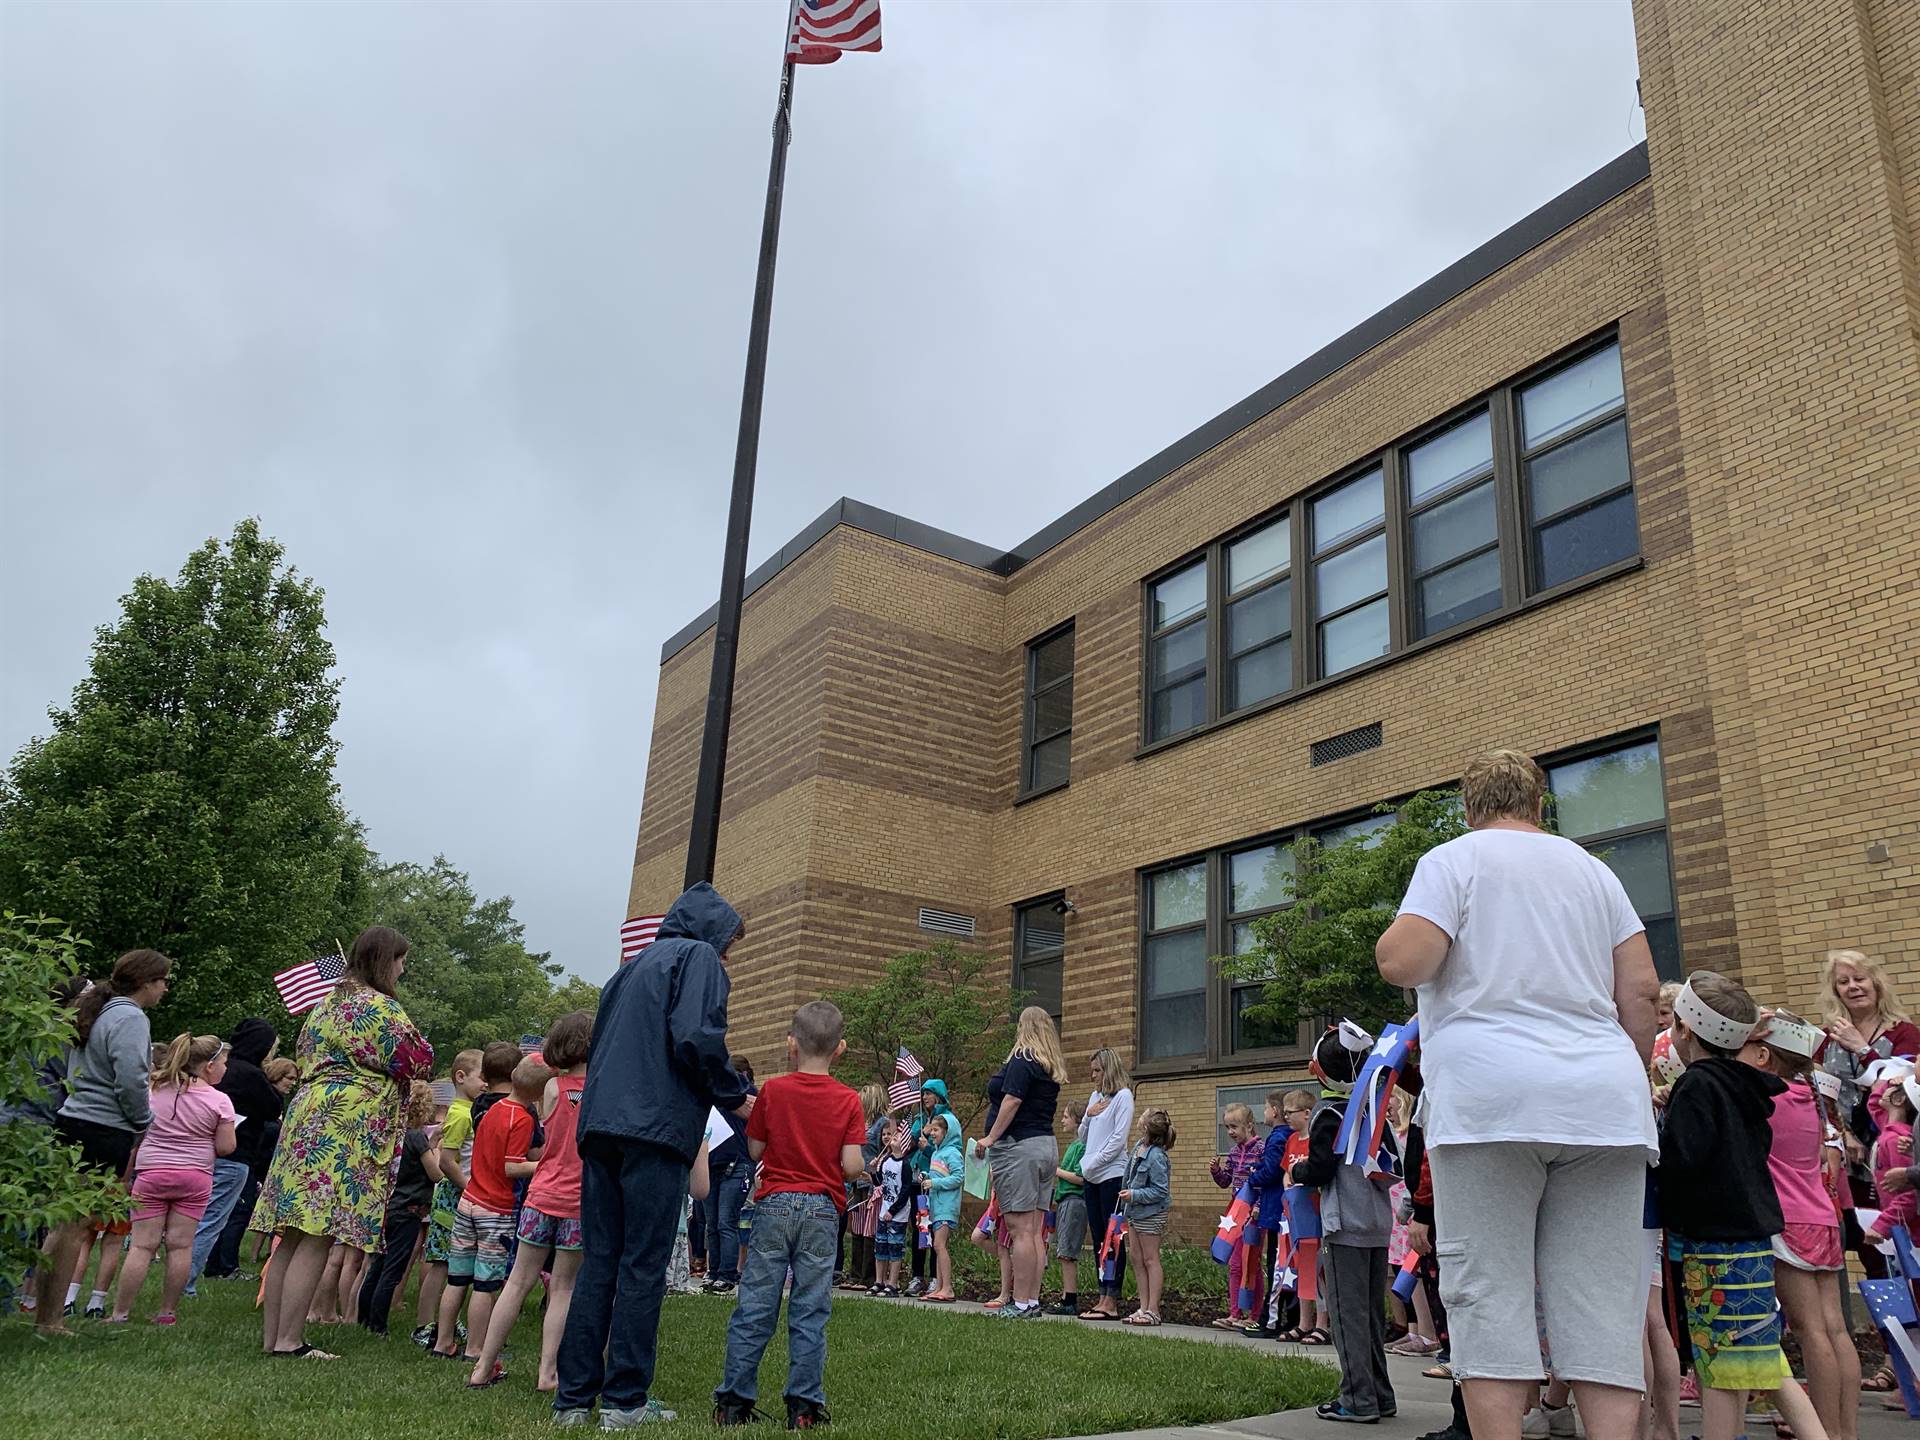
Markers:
<point>906,1066</point>
<point>901,1094</point>
<point>638,933</point>
<point>305,985</point>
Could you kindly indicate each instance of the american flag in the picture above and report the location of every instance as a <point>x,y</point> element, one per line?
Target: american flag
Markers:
<point>307,984</point>
<point>901,1094</point>
<point>820,30</point>
<point>905,1065</point>
<point>530,1044</point>
<point>637,934</point>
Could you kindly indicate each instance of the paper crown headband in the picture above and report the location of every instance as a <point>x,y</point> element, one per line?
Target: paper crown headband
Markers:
<point>1354,1038</point>
<point>1791,1036</point>
<point>1709,1024</point>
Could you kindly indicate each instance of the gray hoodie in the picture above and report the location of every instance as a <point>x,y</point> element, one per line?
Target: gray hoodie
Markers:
<point>107,1077</point>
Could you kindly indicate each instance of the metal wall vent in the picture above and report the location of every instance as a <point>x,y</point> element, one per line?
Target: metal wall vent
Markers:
<point>946,922</point>
<point>1352,742</point>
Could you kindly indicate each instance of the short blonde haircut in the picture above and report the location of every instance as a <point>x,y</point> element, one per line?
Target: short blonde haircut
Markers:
<point>1884,994</point>
<point>1669,992</point>
<point>1502,785</point>
<point>1236,1114</point>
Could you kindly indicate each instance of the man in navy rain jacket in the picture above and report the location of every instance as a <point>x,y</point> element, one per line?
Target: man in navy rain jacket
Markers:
<point>657,1065</point>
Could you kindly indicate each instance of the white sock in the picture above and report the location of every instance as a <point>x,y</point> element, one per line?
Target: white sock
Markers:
<point>97,1300</point>
<point>73,1292</point>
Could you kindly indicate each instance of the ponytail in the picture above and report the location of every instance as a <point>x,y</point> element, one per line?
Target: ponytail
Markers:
<point>130,972</point>
<point>185,1055</point>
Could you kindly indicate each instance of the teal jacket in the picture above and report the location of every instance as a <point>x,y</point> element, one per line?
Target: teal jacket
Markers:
<point>921,1156</point>
<point>945,1171</point>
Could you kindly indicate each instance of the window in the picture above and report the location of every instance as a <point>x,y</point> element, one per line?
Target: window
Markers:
<point>1259,615</point>
<point>1579,490</point>
<point>1039,952</point>
<point>1259,882</point>
<point>1254,1097</point>
<point>1524,490</point>
<point>1049,711</point>
<point>1613,802</point>
<point>1178,652</point>
<point>1454,562</point>
<point>1173,1002</point>
<point>1350,573</point>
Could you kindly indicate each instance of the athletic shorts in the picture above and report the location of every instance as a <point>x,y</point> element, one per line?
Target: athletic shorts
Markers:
<point>1069,1226</point>
<point>160,1194</point>
<point>480,1254</point>
<point>554,1232</point>
<point>890,1240</point>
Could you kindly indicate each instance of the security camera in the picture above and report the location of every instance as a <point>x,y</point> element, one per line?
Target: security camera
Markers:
<point>1063,906</point>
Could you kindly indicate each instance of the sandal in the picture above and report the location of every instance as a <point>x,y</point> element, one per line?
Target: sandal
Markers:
<point>1142,1319</point>
<point>1226,1322</point>
<point>1438,1372</point>
<point>1881,1380</point>
<point>1098,1315</point>
<point>305,1352</point>
<point>1290,1336</point>
<point>1315,1336</point>
<point>494,1377</point>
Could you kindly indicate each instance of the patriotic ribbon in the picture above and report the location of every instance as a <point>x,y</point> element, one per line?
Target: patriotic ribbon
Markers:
<point>1233,1224</point>
<point>1408,1278</point>
<point>1363,1128</point>
<point>1110,1249</point>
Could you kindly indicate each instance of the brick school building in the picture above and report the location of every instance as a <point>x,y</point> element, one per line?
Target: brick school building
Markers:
<point>1635,486</point>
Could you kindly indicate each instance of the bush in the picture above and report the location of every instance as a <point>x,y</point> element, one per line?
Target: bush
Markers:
<point>42,1184</point>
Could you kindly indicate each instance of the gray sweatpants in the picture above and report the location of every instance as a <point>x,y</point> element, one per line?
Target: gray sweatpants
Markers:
<point>1354,1287</point>
<point>1517,1219</point>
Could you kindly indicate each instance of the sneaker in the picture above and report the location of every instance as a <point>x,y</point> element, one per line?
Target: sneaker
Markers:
<point>93,1312</point>
<point>1544,1421</point>
<point>805,1414</point>
<point>1449,1432</point>
<point>651,1413</point>
<point>67,1310</point>
<point>721,1287</point>
<point>572,1419</point>
<point>916,1286</point>
<point>1063,1308</point>
<point>425,1336</point>
<point>729,1409</point>
<point>1333,1410</point>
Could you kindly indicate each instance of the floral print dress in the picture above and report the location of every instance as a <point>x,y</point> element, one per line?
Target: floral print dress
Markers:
<point>358,1053</point>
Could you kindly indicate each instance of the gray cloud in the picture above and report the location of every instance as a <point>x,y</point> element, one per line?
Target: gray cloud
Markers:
<point>454,297</point>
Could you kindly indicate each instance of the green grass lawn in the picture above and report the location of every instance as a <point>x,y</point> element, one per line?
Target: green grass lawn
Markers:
<point>891,1372</point>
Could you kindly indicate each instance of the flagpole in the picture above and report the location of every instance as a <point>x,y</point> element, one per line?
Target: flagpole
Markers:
<point>704,839</point>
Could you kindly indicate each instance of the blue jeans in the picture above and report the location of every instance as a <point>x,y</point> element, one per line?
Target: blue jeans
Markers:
<point>721,1212</point>
<point>631,1198</point>
<point>801,1231</point>
<point>229,1179</point>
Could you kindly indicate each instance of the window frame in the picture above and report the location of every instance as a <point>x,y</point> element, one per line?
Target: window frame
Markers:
<point>1021,910</point>
<point>1523,456</point>
<point>1315,558</point>
<point>1603,839</point>
<point>1144,918</point>
<point>1029,741</point>
<point>1514,541</point>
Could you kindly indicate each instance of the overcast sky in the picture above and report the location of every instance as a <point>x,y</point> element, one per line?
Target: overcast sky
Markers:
<point>454,297</point>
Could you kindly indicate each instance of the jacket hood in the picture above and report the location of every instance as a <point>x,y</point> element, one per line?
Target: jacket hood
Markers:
<point>1746,1091</point>
<point>252,1039</point>
<point>938,1087</point>
<point>700,914</point>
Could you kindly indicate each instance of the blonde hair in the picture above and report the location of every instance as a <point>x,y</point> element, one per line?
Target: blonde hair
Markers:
<point>185,1055</point>
<point>1502,785</point>
<point>280,1069</point>
<point>530,1077</point>
<point>469,1061</point>
<point>1035,1039</point>
<point>1886,999</point>
<point>1236,1114</point>
<point>420,1105</point>
<point>873,1101</point>
<point>1297,1100</point>
<point>1669,991</point>
<point>1114,1075</point>
<point>1156,1128</point>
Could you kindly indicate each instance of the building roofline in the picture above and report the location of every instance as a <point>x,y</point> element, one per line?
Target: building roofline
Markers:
<point>1610,181</point>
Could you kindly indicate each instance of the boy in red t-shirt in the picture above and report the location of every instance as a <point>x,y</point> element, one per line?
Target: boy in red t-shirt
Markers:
<point>505,1151</point>
<point>805,1132</point>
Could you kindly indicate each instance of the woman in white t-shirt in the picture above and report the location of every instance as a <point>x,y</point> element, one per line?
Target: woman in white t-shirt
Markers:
<point>1537,995</point>
<point>1105,1132</point>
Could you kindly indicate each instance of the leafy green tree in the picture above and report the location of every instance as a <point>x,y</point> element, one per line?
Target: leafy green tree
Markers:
<point>1317,955</point>
<point>572,993</point>
<point>951,1007</point>
<point>470,977</point>
<point>42,1184</point>
<point>185,798</point>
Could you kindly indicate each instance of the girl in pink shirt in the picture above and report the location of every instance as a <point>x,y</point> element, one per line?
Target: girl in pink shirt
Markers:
<point>192,1124</point>
<point>1805,1163</point>
<point>549,1225</point>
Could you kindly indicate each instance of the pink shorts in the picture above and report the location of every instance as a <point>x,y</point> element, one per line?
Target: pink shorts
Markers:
<point>1810,1247</point>
<point>158,1194</point>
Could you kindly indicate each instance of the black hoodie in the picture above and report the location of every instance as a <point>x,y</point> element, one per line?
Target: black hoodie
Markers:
<point>256,1103</point>
<point>1714,1181</point>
